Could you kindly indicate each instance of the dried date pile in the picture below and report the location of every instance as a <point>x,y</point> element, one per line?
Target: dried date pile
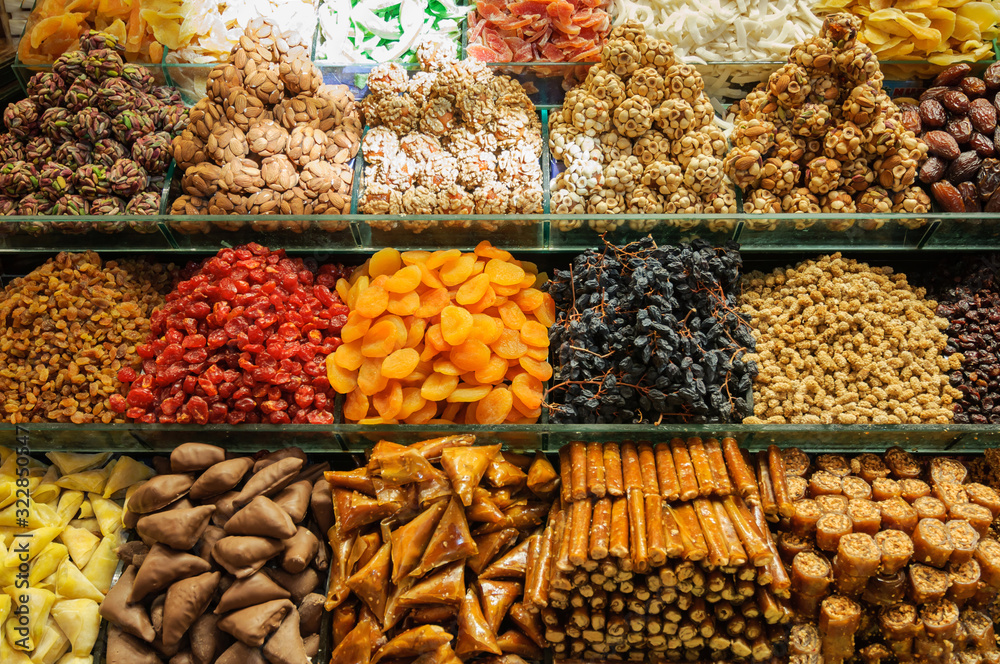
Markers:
<point>822,136</point>
<point>890,557</point>
<point>970,301</point>
<point>841,342</point>
<point>639,136</point>
<point>957,118</point>
<point>648,333</point>
<point>243,339</point>
<point>454,140</point>
<point>92,138</point>
<point>269,138</point>
<point>66,331</point>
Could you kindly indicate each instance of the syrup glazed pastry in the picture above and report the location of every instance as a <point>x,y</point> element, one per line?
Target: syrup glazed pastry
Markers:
<point>228,562</point>
<point>436,539</point>
<point>912,550</point>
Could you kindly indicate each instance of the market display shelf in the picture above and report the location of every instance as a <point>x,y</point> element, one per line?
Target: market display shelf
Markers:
<point>355,438</point>
<point>540,232</point>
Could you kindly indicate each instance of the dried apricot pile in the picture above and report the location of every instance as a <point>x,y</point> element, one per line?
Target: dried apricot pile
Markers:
<point>443,336</point>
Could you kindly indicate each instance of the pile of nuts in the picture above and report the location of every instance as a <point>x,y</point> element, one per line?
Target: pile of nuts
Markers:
<point>971,303</point>
<point>822,136</point>
<point>243,339</point>
<point>270,138</point>
<point>839,342</point>
<point>957,119</point>
<point>639,136</point>
<point>453,140</point>
<point>68,328</point>
<point>443,337</point>
<point>92,138</point>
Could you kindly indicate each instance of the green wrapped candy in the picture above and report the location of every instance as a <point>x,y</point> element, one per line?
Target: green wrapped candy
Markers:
<point>18,178</point>
<point>91,181</point>
<point>46,89</point>
<point>127,178</point>
<point>22,118</point>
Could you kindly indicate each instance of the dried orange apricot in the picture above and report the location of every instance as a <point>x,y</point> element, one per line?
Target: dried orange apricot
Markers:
<point>343,289</point>
<point>403,304</point>
<point>478,268</point>
<point>456,323</point>
<point>357,288</point>
<point>400,363</point>
<point>540,370</point>
<point>457,270</point>
<point>384,261</point>
<point>537,354</point>
<point>412,402</point>
<point>428,353</point>
<point>404,280</point>
<point>546,314</point>
<point>450,412</point>
<point>528,281</point>
<point>528,389</point>
<point>511,315</point>
<point>415,328</point>
<point>414,257</point>
<point>439,258</point>
<point>493,372</point>
<point>529,299</point>
<point>370,378</point>
<point>348,356</point>
<point>416,377</point>
<point>389,400</point>
<point>429,277</point>
<point>355,406</point>
<point>503,273</point>
<point>495,406</point>
<point>372,301</point>
<point>473,290</point>
<point>401,330</point>
<point>487,250</point>
<point>509,346</point>
<point>424,414</point>
<point>447,367</point>
<point>506,291</point>
<point>470,355</point>
<point>355,327</point>
<point>380,339</point>
<point>485,328</point>
<point>466,393</point>
<point>432,302</point>
<point>435,338</point>
<point>438,387</point>
<point>534,333</point>
<point>488,299</point>
<point>341,380</point>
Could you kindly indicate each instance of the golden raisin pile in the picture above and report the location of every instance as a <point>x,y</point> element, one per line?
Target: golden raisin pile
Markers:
<point>443,337</point>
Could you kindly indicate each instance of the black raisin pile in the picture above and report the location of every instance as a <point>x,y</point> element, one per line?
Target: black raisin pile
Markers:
<point>648,333</point>
<point>970,300</point>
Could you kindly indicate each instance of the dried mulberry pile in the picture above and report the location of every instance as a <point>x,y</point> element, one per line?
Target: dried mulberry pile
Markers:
<point>454,140</point>
<point>639,135</point>
<point>92,137</point>
<point>269,138</point>
<point>822,136</point>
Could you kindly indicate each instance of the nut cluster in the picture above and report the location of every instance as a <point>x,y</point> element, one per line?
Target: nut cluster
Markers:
<point>69,328</point>
<point>841,342</point>
<point>269,138</point>
<point>820,135</point>
<point>957,118</point>
<point>638,136</point>
<point>454,140</point>
<point>92,137</point>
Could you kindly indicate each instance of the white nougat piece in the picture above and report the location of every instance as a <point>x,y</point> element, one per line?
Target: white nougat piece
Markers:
<point>81,544</point>
<point>80,621</point>
<point>71,583</point>
<point>101,568</point>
